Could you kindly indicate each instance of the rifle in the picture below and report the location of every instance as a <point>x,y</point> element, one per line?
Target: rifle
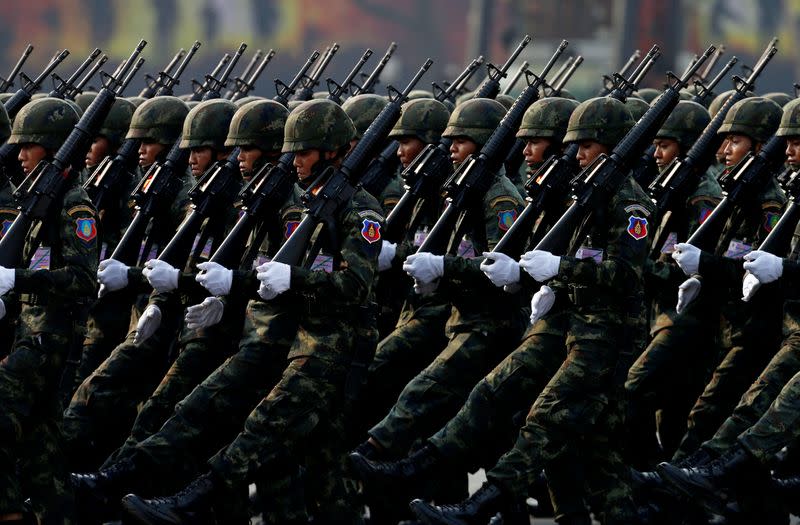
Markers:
<point>309,82</point>
<point>555,90</point>
<point>336,90</point>
<point>608,81</point>
<point>213,84</point>
<point>78,88</point>
<point>166,81</point>
<point>491,85</point>
<point>284,91</point>
<point>47,180</point>
<point>26,91</point>
<point>673,185</point>
<point>518,75</point>
<point>778,242</point>
<point>247,70</point>
<point>153,84</point>
<point>371,80</point>
<point>711,63</point>
<point>703,90</point>
<point>198,89</point>
<point>557,75</point>
<point>462,86</point>
<point>213,193</point>
<point>337,186</point>
<point>475,175</point>
<point>7,83</point>
<point>63,87</point>
<point>601,179</point>
<point>243,87</point>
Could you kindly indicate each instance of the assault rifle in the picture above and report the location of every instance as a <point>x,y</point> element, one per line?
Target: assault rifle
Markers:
<point>9,82</point>
<point>198,89</point>
<point>214,85</point>
<point>518,75</point>
<point>462,86</point>
<point>557,87</point>
<point>336,90</point>
<point>705,90</point>
<point>609,82</point>
<point>371,80</point>
<point>243,87</point>
<point>491,85</point>
<point>46,182</point>
<point>26,91</point>
<point>311,81</point>
<point>285,91</point>
<point>64,87</point>
<point>153,84</point>
<point>247,70</point>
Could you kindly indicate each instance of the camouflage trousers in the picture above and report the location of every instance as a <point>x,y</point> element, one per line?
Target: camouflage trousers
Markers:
<point>31,458</point>
<point>756,401</point>
<point>434,395</point>
<point>579,409</point>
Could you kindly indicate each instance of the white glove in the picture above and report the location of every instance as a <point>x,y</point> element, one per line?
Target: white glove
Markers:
<point>7,278</point>
<point>425,288</point>
<point>541,265</point>
<point>112,275</point>
<point>424,267</point>
<point>764,266</point>
<point>148,324</point>
<point>385,258</point>
<point>501,269</point>
<point>275,279</point>
<point>687,292</point>
<point>205,314</point>
<point>750,286</point>
<point>215,278</point>
<point>541,303</point>
<point>687,257</point>
<point>162,276</point>
<point>2,309</point>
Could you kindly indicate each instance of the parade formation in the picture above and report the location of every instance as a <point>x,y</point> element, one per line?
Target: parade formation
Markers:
<point>331,305</point>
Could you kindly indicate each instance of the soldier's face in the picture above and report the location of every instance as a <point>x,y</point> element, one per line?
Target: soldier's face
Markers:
<point>248,155</point>
<point>721,152</point>
<point>738,146</point>
<point>666,151</point>
<point>149,152</point>
<point>97,152</point>
<point>29,156</point>
<point>408,149</point>
<point>535,148</point>
<point>200,159</point>
<point>305,160</point>
<point>793,151</point>
<point>588,150</point>
<point>461,148</point>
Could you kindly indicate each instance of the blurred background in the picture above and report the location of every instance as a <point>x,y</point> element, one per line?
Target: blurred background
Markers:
<point>451,32</point>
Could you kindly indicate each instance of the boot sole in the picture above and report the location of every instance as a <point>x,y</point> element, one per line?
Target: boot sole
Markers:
<point>698,495</point>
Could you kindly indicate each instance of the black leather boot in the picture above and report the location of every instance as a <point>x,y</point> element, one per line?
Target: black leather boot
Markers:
<point>192,505</point>
<point>380,474</point>
<point>97,494</point>
<point>478,509</point>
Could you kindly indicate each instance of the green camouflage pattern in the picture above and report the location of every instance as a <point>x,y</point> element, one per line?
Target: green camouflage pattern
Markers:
<point>790,120</point>
<point>317,124</point>
<point>602,119</point>
<point>755,117</point>
<point>685,124</point>
<point>464,97</point>
<point>475,119</point>
<point>85,99</point>
<point>720,99</point>
<point>547,117</point>
<point>47,121</point>
<point>647,94</point>
<point>206,124</point>
<point>637,107</point>
<point>246,100</point>
<point>115,126</point>
<point>363,109</point>
<point>424,118</point>
<point>779,97</point>
<point>136,101</point>
<point>419,93</point>
<point>506,100</point>
<point>258,123</point>
<point>158,119</point>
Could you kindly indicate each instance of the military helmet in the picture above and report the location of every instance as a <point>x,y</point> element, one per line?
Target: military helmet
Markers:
<point>637,107</point>
<point>778,97</point>
<point>293,104</point>
<point>362,110</point>
<point>85,99</point>
<point>424,118</point>
<point>647,94</point>
<point>685,124</point>
<point>475,119</point>
<point>463,97</point>
<point>136,101</point>
<point>158,119</point>
<point>245,100</point>
<point>5,96</point>
<point>790,120</point>
<point>37,96</point>
<point>258,123</point>
<point>687,93</point>
<point>47,122</point>
<point>317,124</point>
<point>565,93</point>
<point>756,117</point>
<point>506,100</point>
<point>5,124</point>
<point>547,117</point>
<point>206,124</point>
<point>720,99</point>
<point>603,119</point>
<point>419,93</point>
<point>186,97</point>
<point>117,121</point>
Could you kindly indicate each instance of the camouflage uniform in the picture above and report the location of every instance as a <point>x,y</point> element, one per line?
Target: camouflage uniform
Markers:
<point>8,212</point>
<point>53,291</point>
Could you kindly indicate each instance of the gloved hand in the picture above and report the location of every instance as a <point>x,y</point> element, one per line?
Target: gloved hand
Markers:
<point>764,266</point>
<point>2,309</point>
<point>540,265</point>
<point>205,314</point>
<point>7,278</point>
<point>162,276</point>
<point>501,269</point>
<point>275,279</point>
<point>687,292</point>
<point>215,278</point>
<point>425,288</point>
<point>424,267</point>
<point>148,324</point>
<point>112,275</point>
<point>541,303</point>
<point>687,257</point>
<point>750,286</point>
<point>385,258</point>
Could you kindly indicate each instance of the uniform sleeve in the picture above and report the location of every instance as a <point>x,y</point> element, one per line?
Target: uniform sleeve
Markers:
<point>352,281</point>
<point>77,277</point>
<point>698,209</point>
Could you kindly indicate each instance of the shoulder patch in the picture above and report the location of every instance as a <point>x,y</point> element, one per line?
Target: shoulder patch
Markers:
<point>704,214</point>
<point>634,209</point>
<point>503,198</point>
<point>371,214</point>
<point>81,208</point>
<point>371,231</point>
<point>637,227</point>
<point>505,218</point>
<point>289,228</point>
<point>770,220</point>
<point>86,229</point>
<point>4,227</point>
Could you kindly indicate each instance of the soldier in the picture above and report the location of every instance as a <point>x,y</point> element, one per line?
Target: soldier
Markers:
<point>257,131</point>
<point>110,136</point>
<point>53,291</point>
<point>9,307</point>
